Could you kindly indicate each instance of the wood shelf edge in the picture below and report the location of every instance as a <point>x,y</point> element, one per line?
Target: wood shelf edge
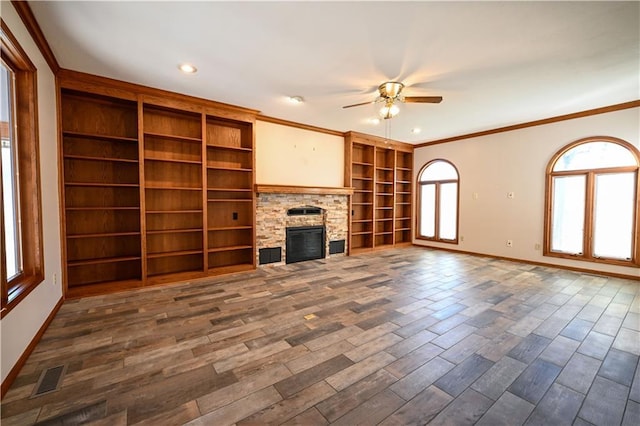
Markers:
<point>103,288</point>
<point>289,189</point>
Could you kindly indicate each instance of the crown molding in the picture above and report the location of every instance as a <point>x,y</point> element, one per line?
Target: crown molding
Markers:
<point>26,14</point>
<point>282,122</point>
<point>587,113</point>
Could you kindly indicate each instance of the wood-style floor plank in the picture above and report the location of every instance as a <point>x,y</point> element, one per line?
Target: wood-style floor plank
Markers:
<point>395,337</point>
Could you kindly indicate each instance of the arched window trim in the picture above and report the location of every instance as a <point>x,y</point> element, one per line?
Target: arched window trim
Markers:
<point>421,182</point>
<point>586,254</point>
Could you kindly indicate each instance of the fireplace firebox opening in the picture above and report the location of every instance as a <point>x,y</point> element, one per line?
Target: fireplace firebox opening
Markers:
<point>305,243</point>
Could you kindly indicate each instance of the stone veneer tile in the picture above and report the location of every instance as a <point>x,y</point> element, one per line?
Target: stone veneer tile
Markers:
<point>272,219</point>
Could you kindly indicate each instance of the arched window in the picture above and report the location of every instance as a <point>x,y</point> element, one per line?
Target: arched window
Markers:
<point>438,202</point>
<point>592,201</point>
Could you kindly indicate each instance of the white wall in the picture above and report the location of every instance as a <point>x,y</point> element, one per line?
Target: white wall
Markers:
<point>494,165</point>
<point>291,156</point>
<point>19,326</point>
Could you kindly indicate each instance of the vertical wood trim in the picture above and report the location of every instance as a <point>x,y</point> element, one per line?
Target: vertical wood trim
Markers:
<point>418,198</point>
<point>458,206</point>
<point>142,202</point>
<point>4,287</point>
<point>61,191</point>
<point>26,14</point>
<point>15,370</point>
<point>412,191</point>
<point>253,193</point>
<point>636,239</point>
<point>348,172</point>
<point>546,248</point>
<point>437,211</point>
<point>587,234</point>
<point>374,202</point>
<point>205,193</point>
<point>394,197</point>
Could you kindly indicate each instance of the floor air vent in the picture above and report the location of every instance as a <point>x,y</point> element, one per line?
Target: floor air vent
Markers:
<point>82,416</point>
<point>50,380</point>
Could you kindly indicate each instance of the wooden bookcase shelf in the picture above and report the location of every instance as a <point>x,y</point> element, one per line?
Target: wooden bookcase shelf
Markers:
<point>156,187</point>
<point>229,182</point>
<point>380,172</point>
<point>87,158</point>
<point>103,184</point>
<point>404,197</point>
<point>173,189</point>
<point>97,136</point>
<point>99,150</point>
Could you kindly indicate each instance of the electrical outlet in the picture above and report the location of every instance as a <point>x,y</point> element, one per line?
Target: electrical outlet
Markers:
<point>235,215</point>
<point>475,195</point>
<point>509,243</point>
<point>461,238</point>
<point>536,247</point>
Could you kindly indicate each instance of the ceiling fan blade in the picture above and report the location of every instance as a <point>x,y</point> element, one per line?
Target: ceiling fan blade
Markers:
<point>360,104</point>
<point>424,99</point>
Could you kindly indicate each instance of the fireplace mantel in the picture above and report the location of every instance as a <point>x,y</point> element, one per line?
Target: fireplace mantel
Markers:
<point>289,189</point>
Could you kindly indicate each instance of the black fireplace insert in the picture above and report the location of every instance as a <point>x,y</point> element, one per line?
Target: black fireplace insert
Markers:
<point>305,243</point>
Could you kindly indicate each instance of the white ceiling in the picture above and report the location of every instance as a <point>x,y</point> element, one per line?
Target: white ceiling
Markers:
<point>495,63</point>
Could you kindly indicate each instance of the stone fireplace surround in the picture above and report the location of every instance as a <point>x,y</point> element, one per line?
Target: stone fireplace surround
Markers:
<point>273,201</point>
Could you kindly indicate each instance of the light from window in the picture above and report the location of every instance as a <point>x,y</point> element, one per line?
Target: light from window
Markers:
<point>10,190</point>
<point>613,215</point>
<point>594,206</point>
<point>448,210</point>
<point>438,202</point>
<point>428,211</point>
<point>568,214</point>
<point>594,155</point>
<point>21,211</point>
<point>439,170</point>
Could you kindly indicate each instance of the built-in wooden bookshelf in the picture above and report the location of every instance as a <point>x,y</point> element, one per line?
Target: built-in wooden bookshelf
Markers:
<point>157,186</point>
<point>403,197</point>
<point>362,172</point>
<point>101,189</point>
<point>380,172</point>
<point>173,191</point>
<point>230,196</point>
<point>384,191</point>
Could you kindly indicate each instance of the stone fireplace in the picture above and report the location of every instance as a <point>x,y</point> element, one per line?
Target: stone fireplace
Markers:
<point>311,208</point>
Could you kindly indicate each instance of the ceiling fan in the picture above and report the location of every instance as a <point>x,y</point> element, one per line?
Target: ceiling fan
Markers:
<point>389,93</point>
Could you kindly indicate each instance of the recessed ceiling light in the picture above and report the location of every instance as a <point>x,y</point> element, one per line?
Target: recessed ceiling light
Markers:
<point>188,69</point>
<point>416,130</point>
<point>295,99</point>
<point>374,121</point>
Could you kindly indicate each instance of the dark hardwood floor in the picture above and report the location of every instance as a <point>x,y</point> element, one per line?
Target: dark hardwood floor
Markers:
<point>397,337</point>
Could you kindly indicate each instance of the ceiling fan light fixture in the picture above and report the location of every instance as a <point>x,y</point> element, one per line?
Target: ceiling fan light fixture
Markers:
<point>390,89</point>
<point>390,110</point>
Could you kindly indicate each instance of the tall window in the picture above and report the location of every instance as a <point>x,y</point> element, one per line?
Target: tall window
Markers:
<point>21,219</point>
<point>592,202</point>
<point>10,193</point>
<point>438,202</point>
